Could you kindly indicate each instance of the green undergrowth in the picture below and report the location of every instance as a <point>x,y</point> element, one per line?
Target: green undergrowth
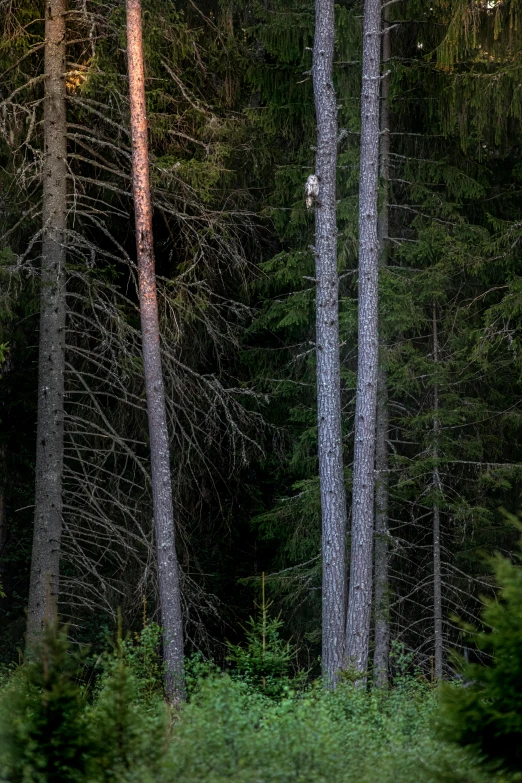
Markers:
<point>230,733</point>
<point>58,727</point>
<point>67,716</point>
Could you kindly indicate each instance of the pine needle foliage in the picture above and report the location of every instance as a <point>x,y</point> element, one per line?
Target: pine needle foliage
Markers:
<point>127,720</point>
<point>56,728</point>
<point>264,661</point>
<point>481,51</point>
<point>43,725</point>
<point>486,712</point>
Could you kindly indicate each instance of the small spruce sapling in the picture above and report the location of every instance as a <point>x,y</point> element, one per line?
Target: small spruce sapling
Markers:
<point>128,717</point>
<point>265,660</point>
<point>142,654</point>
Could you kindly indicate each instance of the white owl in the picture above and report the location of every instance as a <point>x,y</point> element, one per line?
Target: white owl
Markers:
<point>311,190</point>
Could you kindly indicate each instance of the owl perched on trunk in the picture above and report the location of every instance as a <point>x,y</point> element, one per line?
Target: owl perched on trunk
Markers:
<point>311,190</point>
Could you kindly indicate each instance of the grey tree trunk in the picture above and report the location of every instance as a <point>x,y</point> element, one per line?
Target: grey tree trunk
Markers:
<point>331,473</point>
<point>437,486</point>
<point>381,556</point>
<point>382,599</point>
<point>360,593</point>
<point>45,562</point>
<point>168,572</point>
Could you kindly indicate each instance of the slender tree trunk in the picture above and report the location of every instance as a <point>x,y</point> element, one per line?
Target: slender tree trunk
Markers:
<point>168,572</point>
<point>381,566</point>
<point>45,563</point>
<point>3,531</point>
<point>437,486</point>
<point>382,601</point>
<point>360,594</point>
<point>331,473</point>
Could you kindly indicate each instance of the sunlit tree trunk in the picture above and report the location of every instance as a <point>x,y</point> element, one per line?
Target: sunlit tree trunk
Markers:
<point>361,583</point>
<point>331,474</point>
<point>168,572</point>
<point>381,556</point>
<point>437,487</point>
<point>45,562</point>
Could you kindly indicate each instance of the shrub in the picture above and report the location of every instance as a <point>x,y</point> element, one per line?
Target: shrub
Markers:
<point>127,721</point>
<point>230,733</point>
<point>142,654</point>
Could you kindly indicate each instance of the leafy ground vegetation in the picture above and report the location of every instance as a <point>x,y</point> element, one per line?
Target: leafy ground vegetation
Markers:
<point>56,726</point>
<point>67,716</point>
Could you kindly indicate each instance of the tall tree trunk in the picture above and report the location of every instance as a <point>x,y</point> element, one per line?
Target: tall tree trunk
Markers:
<point>360,594</point>
<point>168,572</point>
<point>437,486</point>
<point>382,601</point>
<point>3,531</point>
<point>45,563</point>
<point>381,564</point>
<point>331,473</point>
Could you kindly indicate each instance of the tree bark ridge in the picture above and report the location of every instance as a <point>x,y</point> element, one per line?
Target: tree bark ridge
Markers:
<point>361,583</point>
<point>331,471</point>
<point>381,556</point>
<point>45,559</point>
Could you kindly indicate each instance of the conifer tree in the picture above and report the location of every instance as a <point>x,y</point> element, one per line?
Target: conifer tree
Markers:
<point>45,564</point>
<point>381,555</point>
<point>265,660</point>
<point>361,583</point>
<point>330,445</point>
<point>44,731</point>
<point>486,714</point>
<point>167,563</point>
<point>442,189</point>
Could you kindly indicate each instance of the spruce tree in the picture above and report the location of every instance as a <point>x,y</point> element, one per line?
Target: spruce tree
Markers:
<point>45,562</point>
<point>361,582</point>
<point>45,737</point>
<point>167,563</point>
<point>329,436</point>
<point>486,713</point>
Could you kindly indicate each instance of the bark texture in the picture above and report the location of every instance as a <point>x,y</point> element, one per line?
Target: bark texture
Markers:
<point>45,562</point>
<point>382,590</point>
<point>331,473</point>
<point>361,583</point>
<point>168,572</point>
<point>381,556</point>
<point>437,486</point>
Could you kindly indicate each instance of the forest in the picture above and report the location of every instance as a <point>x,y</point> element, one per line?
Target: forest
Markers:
<point>260,391</point>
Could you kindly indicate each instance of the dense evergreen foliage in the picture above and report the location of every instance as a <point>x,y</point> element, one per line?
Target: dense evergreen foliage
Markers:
<point>485,712</point>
